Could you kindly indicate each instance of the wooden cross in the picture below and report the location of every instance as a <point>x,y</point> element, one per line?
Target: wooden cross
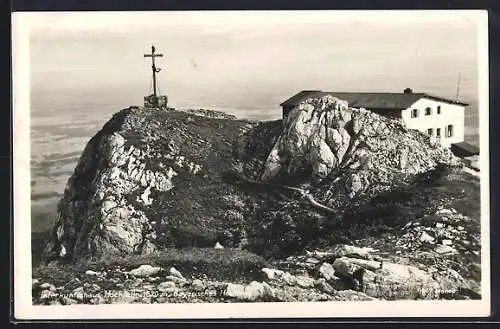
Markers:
<point>153,67</point>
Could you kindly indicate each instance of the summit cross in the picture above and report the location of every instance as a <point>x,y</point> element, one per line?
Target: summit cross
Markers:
<point>153,67</point>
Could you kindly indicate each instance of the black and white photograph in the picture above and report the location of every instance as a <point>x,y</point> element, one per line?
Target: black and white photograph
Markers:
<point>239,164</point>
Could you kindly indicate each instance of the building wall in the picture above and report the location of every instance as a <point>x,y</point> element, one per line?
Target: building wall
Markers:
<point>451,114</point>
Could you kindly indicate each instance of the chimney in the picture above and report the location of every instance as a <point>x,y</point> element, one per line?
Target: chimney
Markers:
<point>408,91</point>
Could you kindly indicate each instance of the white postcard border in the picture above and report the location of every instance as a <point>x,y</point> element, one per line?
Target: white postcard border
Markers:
<point>24,310</point>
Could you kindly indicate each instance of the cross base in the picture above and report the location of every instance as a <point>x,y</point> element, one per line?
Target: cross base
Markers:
<point>153,101</point>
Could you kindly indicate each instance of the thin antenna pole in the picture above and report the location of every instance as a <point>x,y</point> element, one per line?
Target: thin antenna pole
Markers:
<point>458,85</point>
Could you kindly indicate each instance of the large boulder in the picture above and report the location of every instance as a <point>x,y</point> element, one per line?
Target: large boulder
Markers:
<point>250,292</point>
<point>328,136</point>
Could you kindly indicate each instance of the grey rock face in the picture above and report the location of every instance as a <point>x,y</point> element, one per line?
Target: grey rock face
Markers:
<point>327,271</point>
<point>145,270</point>
<point>331,138</point>
<point>197,285</point>
<point>108,222</point>
<point>126,173</point>
<point>96,215</point>
<point>251,292</point>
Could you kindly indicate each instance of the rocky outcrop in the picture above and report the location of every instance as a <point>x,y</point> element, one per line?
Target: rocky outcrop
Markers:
<point>211,114</point>
<point>251,292</point>
<point>326,137</point>
<point>444,232</point>
<point>151,180</point>
<point>112,203</point>
<point>111,222</point>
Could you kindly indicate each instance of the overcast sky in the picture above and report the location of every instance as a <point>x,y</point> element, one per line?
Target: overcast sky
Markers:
<point>254,54</point>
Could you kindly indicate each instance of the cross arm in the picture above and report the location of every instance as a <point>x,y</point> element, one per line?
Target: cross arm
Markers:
<point>155,55</point>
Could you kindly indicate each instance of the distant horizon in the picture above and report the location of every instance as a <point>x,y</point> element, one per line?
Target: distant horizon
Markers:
<point>255,54</point>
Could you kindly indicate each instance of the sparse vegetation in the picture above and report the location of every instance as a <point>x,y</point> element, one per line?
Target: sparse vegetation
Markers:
<point>214,205</point>
<point>291,227</point>
<point>221,264</point>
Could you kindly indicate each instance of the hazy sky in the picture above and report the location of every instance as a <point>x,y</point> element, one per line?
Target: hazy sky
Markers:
<point>246,55</point>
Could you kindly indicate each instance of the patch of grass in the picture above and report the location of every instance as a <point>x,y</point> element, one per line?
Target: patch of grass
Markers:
<point>57,275</point>
<point>442,187</point>
<point>220,264</point>
<point>216,264</point>
<point>290,228</point>
<point>185,235</point>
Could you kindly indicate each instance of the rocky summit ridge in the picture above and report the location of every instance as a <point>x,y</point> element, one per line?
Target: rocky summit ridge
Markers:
<point>327,175</point>
<point>326,137</point>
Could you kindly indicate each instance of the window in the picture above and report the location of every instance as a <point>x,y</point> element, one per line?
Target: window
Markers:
<point>428,111</point>
<point>439,109</point>
<point>414,113</point>
<point>449,131</point>
<point>430,131</point>
<point>438,132</point>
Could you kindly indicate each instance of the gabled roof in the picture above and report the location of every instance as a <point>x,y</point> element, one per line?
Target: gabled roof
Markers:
<point>300,96</point>
<point>369,100</point>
